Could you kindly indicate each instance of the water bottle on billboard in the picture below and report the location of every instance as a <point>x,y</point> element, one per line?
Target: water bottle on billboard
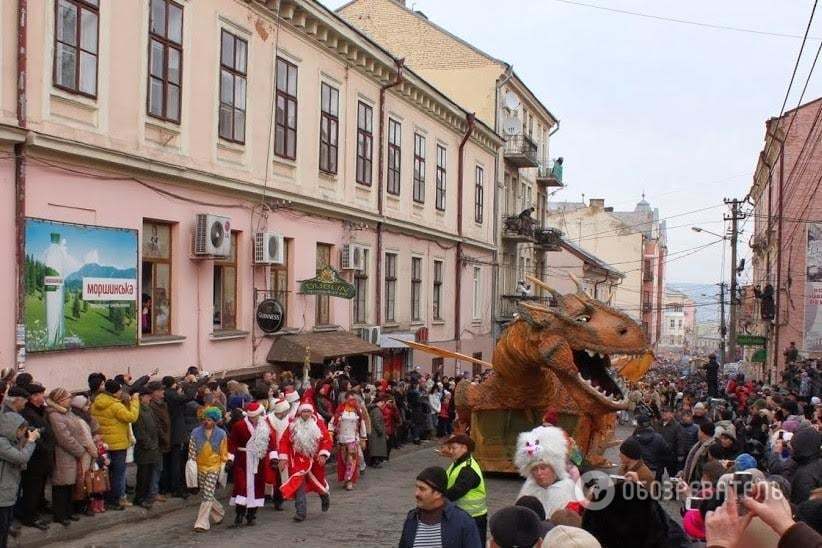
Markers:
<point>54,287</point>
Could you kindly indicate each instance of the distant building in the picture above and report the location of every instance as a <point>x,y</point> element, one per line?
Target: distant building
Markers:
<point>678,317</point>
<point>632,241</point>
<point>707,339</point>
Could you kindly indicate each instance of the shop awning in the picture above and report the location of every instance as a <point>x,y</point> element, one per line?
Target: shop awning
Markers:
<point>323,346</point>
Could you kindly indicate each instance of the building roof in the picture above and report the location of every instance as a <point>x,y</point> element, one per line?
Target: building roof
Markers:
<point>591,259</point>
<point>322,346</point>
<point>505,66</point>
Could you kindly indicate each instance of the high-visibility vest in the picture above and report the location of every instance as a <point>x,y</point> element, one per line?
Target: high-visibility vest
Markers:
<point>473,502</point>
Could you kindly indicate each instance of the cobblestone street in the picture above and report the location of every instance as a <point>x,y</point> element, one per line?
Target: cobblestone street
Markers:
<point>370,516</point>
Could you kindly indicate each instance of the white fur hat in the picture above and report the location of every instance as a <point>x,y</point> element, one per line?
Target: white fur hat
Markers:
<point>542,445</point>
<point>281,406</point>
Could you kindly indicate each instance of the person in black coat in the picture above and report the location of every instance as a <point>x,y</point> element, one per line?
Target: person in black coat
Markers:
<point>177,396</point>
<point>33,479</point>
<point>677,440</point>
<point>147,449</point>
<point>807,474</point>
<point>690,431</point>
<point>655,451</point>
<point>712,376</point>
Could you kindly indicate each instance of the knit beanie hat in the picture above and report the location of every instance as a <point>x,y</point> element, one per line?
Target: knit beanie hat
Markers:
<point>168,381</point>
<point>643,421</point>
<point>112,386</point>
<point>213,413</point>
<point>59,394</point>
<point>35,388</point>
<point>631,448</point>
<point>435,478</point>
<point>17,392</point>
<point>744,461</point>
<point>570,537</point>
<point>516,527</point>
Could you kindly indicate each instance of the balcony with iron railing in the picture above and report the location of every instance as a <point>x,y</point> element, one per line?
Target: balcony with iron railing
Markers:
<point>509,304</point>
<point>550,174</point>
<point>519,228</point>
<point>549,239</point>
<point>521,151</point>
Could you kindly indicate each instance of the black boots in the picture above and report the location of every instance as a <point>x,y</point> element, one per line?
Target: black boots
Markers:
<point>326,502</point>
<point>250,517</point>
<point>239,514</point>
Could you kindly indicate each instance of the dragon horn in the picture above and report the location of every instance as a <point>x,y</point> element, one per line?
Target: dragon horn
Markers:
<point>576,281</point>
<point>443,353</point>
<point>539,283</point>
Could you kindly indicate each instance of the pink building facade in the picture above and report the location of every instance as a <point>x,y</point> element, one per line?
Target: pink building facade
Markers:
<point>288,123</point>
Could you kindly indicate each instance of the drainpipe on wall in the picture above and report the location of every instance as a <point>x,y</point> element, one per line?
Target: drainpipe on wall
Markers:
<point>498,183</point>
<point>20,169</point>
<point>470,119</point>
<point>381,149</point>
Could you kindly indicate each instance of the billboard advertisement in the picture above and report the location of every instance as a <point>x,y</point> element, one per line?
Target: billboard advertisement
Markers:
<point>813,289</point>
<point>81,286</point>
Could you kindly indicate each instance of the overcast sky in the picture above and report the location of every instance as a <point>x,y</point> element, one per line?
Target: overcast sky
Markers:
<point>671,109</point>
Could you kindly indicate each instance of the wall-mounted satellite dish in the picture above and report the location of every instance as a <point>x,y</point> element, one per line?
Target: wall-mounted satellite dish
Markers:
<point>510,100</point>
<point>511,125</point>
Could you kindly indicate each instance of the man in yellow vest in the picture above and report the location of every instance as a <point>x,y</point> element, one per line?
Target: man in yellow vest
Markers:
<point>466,485</point>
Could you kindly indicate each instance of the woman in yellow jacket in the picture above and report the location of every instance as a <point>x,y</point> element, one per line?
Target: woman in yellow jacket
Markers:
<point>114,418</point>
<point>208,452</point>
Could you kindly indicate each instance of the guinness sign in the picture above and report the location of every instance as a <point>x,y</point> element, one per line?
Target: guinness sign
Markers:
<point>270,315</point>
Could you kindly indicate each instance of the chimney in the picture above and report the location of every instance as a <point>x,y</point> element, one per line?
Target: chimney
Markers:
<point>596,203</point>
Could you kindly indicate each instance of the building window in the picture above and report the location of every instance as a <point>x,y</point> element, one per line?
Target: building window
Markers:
<point>437,366</point>
<point>279,281</point>
<point>390,287</point>
<point>477,293</point>
<point>416,289</point>
<point>165,60</point>
<point>155,301</point>
<point>441,159</point>
<point>476,369</point>
<point>419,168</point>
<point>361,285</point>
<point>323,313</point>
<point>225,289</point>
<point>394,156</point>
<point>285,124</point>
<point>75,52</point>
<point>437,293</point>
<point>233,61</point>
<point>329,127</point>
<point>649,270</point>
<point>479,194</point>
<point>365,139</point>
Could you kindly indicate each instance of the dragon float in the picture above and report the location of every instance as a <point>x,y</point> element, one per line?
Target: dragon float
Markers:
<point>574,358</point>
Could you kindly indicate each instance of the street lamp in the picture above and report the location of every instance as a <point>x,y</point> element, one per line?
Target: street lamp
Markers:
<point>723,330</point>
<point>700,229</point>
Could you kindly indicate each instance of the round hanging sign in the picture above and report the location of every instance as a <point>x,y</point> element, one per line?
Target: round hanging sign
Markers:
<point>270,315</point>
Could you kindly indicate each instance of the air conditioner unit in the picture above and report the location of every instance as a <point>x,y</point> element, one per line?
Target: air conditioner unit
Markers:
<point>353,257</point>
<point>212,236</point>
<point>371,334</point>
<point>269,248</point>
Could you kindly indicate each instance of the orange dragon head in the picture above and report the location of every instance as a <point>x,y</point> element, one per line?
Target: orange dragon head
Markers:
<point>592,347</point>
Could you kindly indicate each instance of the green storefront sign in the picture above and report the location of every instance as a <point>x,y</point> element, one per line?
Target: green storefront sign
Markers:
<point>328,282</point>
<point>759,356</point>
<point>751,340</point>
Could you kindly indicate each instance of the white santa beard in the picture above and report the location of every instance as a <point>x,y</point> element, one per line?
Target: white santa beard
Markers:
<point>305,436</point>
<point>554,497</point>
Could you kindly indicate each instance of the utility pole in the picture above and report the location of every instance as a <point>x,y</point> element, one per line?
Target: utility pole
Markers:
<point>734,217</point>
<point>723,330</point>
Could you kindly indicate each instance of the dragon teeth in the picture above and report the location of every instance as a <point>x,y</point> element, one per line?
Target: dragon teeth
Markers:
<point>590,353</point>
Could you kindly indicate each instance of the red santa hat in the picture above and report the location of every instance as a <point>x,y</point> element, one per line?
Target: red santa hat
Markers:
<point>254,409</point>
<point>305,406</point>
<point>281,406</point>
<point>291,395</point>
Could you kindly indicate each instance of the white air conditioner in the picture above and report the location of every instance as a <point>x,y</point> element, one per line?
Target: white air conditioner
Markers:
<point>353,257</point>
<point>212,236</point>
<point>269,248</point>
<point>371,334</point>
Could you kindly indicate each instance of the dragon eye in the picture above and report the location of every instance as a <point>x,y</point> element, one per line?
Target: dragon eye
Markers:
<point>583,318</point>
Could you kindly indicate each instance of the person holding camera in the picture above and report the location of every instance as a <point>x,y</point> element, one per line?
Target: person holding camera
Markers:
<point>17,445</point>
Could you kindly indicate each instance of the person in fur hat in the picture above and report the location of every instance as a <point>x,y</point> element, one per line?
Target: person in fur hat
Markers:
<point>542,459</point>
<point>278,422</point>
<point>303,450</point>
<point>251,446</point>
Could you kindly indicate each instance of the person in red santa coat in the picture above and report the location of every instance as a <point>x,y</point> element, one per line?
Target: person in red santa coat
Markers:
<point>303,450</point>
<point>278,422</point>
<point>252,448</point>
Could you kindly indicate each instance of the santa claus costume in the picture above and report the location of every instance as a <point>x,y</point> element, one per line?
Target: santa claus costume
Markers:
<point>252,447</point>
<point>278,423</point>
<point>545,446</point>
<point>293,399</point>
<point>350,431</point>
<point>303,450</point>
